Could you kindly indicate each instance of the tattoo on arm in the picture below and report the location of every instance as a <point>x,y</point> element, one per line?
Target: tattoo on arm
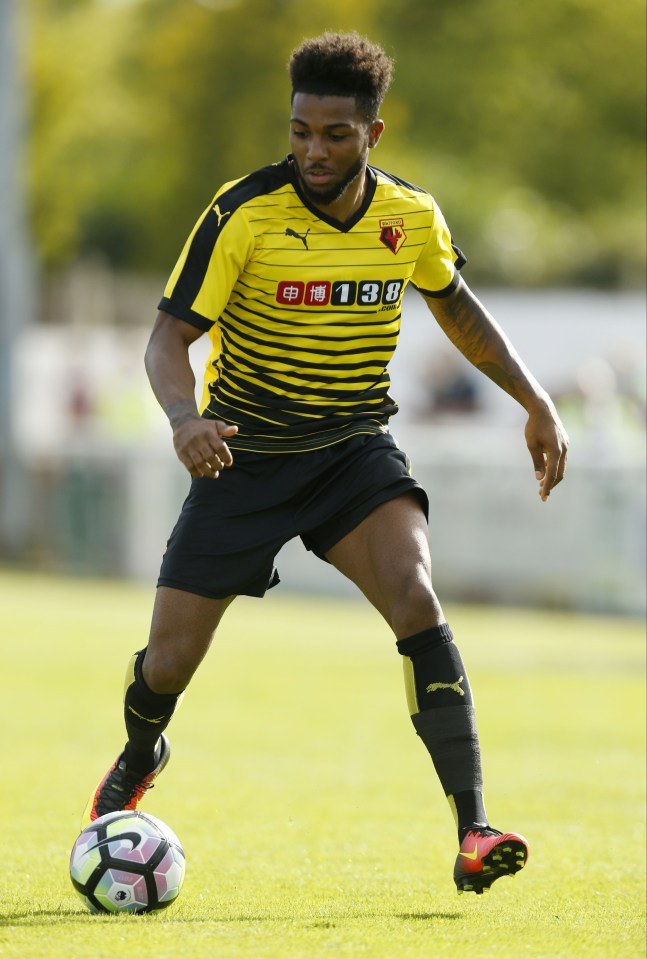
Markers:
<point>473,331</point>
<point>181,411</point>
<point>465,326</point>
<point>501,377</point>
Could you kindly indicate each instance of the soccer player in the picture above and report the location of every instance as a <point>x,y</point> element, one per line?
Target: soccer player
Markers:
<point>296,273</point>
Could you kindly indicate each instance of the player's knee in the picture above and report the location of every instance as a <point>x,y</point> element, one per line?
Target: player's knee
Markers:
<point>415,606</point>
<point>168,670</point>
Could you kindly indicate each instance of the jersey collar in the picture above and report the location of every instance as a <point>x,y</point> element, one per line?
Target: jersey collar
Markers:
<point>371,183</point>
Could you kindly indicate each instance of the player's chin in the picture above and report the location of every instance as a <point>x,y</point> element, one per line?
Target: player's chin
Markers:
<point>318,188</point>
<point>326,197</point>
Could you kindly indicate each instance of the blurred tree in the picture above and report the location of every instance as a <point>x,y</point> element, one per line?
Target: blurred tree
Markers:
<point>526,121</point>
<point>538,120</point>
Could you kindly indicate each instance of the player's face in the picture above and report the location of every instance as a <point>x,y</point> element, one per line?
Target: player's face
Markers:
<point>330,141</point>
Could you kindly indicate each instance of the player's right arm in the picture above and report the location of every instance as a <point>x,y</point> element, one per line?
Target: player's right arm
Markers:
<point>199,443</point>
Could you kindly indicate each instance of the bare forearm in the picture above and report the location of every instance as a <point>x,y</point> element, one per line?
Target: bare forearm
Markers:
<point>171,376</point>
<point>199,443</point>
<point>480,339</point>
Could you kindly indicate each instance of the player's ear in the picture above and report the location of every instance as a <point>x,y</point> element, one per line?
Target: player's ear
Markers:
<point>375,131</point>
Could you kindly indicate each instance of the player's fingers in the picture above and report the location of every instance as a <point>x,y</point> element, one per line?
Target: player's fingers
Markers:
<point>538,460</point>
<point>561,469</point>
<point>221,451</point>
<point>204,472</point>
<point>225,429</point>
<point>555,465</point>
<point>548,482</point>
<point>211,468</point>
<point>212,458</point>
<point>564,459</point>
<point>219,447</point>
<point>204,462</point>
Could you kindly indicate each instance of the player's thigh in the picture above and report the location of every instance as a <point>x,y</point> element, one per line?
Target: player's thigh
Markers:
<point>387,557</point>
<point>182,628</point>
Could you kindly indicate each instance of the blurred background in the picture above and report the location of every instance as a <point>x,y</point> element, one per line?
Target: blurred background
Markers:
<point>118,121</point>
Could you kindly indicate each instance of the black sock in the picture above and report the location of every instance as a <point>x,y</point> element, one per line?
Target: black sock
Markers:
<point>146,714</point>
<point>442,711</point>
<point>469,810</point>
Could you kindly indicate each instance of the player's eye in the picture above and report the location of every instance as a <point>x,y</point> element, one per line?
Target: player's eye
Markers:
<point>301,134</point>
<point>336,137</point>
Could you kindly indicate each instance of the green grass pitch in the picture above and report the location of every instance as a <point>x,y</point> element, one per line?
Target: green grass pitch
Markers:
<point>312,820</point>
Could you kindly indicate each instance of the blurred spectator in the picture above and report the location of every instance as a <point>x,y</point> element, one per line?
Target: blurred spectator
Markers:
<point>448,387</point>
<point>606,402</point>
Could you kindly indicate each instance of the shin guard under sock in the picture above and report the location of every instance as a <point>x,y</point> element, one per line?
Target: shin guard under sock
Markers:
<point>146,714</point>
<point>442,711</point>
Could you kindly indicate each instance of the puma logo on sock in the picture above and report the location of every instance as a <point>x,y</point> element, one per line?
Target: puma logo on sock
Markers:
<point>434,687</point>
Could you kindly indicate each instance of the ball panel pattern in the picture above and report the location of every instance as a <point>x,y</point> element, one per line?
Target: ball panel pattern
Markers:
<point>127,862</point>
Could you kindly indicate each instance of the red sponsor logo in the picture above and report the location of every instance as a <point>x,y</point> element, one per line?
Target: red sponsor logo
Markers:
<point>290,292</point>
<point>317,293</point>
<point>294,292</point>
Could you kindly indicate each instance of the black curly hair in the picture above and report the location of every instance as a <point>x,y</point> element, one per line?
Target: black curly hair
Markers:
<point>342,65</point>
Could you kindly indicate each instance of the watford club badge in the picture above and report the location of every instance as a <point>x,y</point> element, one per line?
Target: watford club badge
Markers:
<point>392,234</point>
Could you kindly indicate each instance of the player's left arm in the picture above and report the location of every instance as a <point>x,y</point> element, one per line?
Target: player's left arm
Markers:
<point>482,341</point>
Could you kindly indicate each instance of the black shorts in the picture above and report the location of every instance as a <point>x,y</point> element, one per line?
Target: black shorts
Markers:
<point>231,528</point>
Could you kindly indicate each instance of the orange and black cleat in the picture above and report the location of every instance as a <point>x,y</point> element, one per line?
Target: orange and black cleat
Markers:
<point>123,788</point>
<point>485,855</point>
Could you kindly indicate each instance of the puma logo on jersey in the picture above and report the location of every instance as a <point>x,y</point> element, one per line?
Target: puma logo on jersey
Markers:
<point>434,687</point>
<point>298,236</point>
<point>221,216</point>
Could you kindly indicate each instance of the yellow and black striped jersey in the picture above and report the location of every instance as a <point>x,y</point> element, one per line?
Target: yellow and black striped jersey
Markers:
<point>303,311</point>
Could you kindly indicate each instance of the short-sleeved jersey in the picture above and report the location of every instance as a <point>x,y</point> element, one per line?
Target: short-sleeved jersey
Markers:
<point>303,311</point>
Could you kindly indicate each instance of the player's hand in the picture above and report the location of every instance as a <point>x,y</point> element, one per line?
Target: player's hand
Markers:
<point>200,446</point>
<point>548,445</point>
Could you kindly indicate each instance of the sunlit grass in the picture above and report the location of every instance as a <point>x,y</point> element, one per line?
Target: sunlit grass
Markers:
<point>311,816</point>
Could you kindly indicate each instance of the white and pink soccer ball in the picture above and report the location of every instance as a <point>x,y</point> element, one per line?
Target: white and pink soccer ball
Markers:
<point>127,862</point>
